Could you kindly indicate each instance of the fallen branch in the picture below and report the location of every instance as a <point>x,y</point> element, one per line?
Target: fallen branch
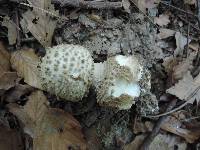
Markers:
<point>88,4</point>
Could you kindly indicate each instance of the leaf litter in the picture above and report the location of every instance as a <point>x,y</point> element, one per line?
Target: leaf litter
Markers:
<point>153,32</point>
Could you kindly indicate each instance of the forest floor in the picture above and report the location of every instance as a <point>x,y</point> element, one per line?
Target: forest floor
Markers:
<point>164,34</point>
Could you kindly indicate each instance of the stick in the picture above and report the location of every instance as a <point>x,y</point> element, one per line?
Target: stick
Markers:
<point>147,141</point>
<point>188,101</point>
<point>89,4</point>
<point>18,33</point>
<point>198,7</point>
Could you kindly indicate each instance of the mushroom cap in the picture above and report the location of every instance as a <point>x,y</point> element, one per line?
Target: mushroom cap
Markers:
<point>120,85</point>
<point>66,71</point>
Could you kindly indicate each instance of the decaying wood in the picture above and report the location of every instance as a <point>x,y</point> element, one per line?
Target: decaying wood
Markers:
<point>88,4</point>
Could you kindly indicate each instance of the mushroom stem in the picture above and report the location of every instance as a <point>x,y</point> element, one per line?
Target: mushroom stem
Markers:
<point>98,73</point>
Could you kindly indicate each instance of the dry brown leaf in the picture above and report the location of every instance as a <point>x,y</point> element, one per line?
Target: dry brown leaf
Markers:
<point>169,63</point>
<point>165,33</point>
<point>173,125</point>
<point>184,66</point>
<point>144,4</point>
<point>142,127</point>
<point>5,59</point>
<point>92,137</point>
<point>135,144</point>
<point>7,78</point>
<point>25,63</point>
<point>12,30</point>
<point>58,130</point>
<point>36,106</point>
<point>187,88</point>
<point>191,2</point>
<point>126,5</point>
<point>50,128</point>
<point>167,142</point>
<point>194,46</point>
<point>162,20</point>
<point>10,139</point>
<point>19,90</point>
<point>160,142</point>
<point>32,112</point>
<point>40,23</point>
<point>181,41</point>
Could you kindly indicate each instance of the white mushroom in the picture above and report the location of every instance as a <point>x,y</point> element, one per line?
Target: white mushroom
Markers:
<point>66,71</point>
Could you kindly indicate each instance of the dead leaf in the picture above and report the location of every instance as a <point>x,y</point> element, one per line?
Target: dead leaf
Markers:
<point>173,125</point>
<point>32,112</point>
<point>10,139</point>
<point>126,5</point>
<point>58,130</point>
<point>7,78</point>
<point>181,41</point>
<point>144,4</point>
<point>19,90</point>
<point>135,144</point>
<point>160,142</point>
<point>194,46</point>
<point>162,20</point>
<point>92,137</point>
<point>40,23</point>
<point>142,127</point>
<point>169,63</point>
<point>191,2</point>
<point>12,30</point>
<point>25,63</point>
<point>184,66</point>
<point>165,33</point>
<point>187,88</point>
<point>5,58</point>
<point>167,142</point>
<point>50,128</point>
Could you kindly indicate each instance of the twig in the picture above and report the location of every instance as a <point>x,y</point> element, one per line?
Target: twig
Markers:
<point>188,33</point>
<point>191,25</point>
<point>145,15</point>
<point>147,141</point>
<point>89,4</point>
<point>181,10</point>
<point>18,33</point>
<point>44,11</point>
<point>31,39</point>
<point>188,101</point>
<point>198,16</point>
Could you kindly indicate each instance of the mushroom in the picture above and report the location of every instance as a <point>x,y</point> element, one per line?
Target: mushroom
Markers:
<point>66,71</point>
<point>117,81</point>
